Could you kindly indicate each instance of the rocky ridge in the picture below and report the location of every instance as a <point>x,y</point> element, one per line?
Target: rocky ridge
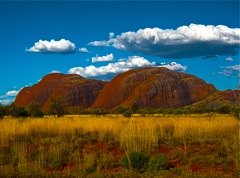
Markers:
<point>152,87</point>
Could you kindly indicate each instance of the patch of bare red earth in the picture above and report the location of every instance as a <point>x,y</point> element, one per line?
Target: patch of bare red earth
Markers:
<point>194,168</point>
<point>99,148</point>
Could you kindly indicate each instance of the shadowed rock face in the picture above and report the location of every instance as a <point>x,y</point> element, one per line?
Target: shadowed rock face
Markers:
<point>153,87</point>
<point>74,89</point>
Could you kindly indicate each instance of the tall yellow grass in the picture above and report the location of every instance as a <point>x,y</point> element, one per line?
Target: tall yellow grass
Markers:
<point>51,138</point>
<point>137,133</point>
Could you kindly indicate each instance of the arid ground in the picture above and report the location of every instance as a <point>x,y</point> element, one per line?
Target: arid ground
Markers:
<point>96,146</point>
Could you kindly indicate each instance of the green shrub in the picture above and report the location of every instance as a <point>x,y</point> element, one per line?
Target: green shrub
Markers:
<point>235,112</point>
<point>57,106</point>
<point>127,113</point>
<point>57,163</point>
<point>86,112</point>
<point>143,112</point>
<point>135,108</point>
<point>54,161</point>
<point>225,109</point>
<point>99,112</point>
<point>34,109</point>
<point>136,161</point>
<point>18,111</point>
<point>120,110</point>
<point>158,162</point>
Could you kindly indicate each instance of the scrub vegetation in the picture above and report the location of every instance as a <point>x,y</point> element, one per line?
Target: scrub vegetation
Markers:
<point>187,145</point>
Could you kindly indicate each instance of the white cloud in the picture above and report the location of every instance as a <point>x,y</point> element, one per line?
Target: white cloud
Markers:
<point>54,71</point>
<point>9,97</point>
<point>103,42</point>
<point>122,65</point>
<point>184,42</point>
<point>111,35</point>
<point>12,93</point>
<point>234,68</point>
<point>108,57</point>
<point>6,102</point>
<point>229,59</point>
<point>83,50</point>
<point>174,66</point>
<point>231,70</point>
<point>44,46</point>
<point>226,72</point>
<point>99,43</point>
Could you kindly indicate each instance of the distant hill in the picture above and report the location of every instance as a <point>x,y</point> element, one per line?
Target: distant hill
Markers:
<point>74,89</point>
<point>153,87</point>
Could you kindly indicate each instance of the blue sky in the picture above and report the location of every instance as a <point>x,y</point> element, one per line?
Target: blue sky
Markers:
<point>103,38</point>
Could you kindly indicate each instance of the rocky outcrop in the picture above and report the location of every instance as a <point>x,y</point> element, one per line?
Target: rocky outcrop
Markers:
<point>153,88</point>
<point>74,89</point>
<point>220,98</point>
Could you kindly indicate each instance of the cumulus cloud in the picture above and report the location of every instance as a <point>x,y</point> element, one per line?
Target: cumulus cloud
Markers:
<point>184,42</point>
<point>108,57</point>
<point>122,65</point>
<point>61,46</point>
<point>12,93</point>
<point>231,70</point>
<point>174,66</point>
<point>83,50</point>
<point>229,59</point>
<point>99,43</point>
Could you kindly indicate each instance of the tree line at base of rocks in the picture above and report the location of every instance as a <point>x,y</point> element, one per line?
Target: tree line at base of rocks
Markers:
<point>58,108</point>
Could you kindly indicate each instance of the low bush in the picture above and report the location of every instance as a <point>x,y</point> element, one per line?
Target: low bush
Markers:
<point>136,161</point>
<point>235,111</point>
<point>98,112</point>
<point>34,109</point>
<point>57,106</point>
<point>158,162</point>
<point>18,112</point>
<point>127,113</point>
<point>120,110</point>
<point>224,109</point>
<point>135,108</point>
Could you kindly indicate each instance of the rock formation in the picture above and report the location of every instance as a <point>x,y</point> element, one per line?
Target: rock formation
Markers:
<point>153,88</point>
<point>74,89</point>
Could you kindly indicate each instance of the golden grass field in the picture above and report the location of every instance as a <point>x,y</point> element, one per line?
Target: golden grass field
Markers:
<point>92,146</point>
